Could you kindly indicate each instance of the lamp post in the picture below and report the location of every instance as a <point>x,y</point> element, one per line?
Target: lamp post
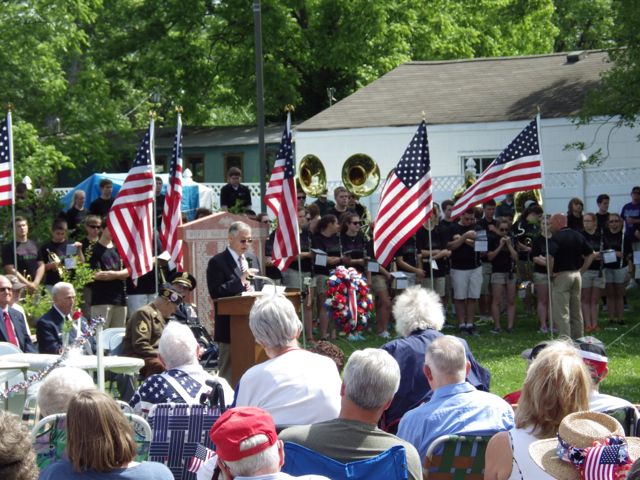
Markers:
<point>257,28</point>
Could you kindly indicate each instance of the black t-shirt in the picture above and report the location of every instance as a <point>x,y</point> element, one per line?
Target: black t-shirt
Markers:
<point>354,247</point>
<point>575,223</point>
<point>305,245</point>
<point>100,206</point>
<point>229,195</point>
<point>568,249</point>
<point>329,245</point>
<point>110,292</point>
<point>539,247</point>
<point>438,242</point>
<point>271,271</point>
<point>464,257</point>
<point>408,251</point>
<point>602,219</point>
<point>526,233</point>
<point>75,217</point>
<point>28,257</point>
<point>502,262</point>
<point>594,242</point>
<point>51,277</point>
<point>333,211</point>
<point>613,241</point>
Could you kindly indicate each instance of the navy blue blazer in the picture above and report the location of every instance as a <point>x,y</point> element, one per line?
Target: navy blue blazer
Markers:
<point>49,332</point>
<point>24,339</point>
<point>223,280</point>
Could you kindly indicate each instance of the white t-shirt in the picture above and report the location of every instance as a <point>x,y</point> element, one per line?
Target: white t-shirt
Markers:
<point>296,387</point>
<point>601,402</point>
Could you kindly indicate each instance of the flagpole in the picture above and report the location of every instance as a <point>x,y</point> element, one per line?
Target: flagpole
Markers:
<point>545,225</point>
<point>13,185</point>
<point>430,253</point>
<point>152,160</point>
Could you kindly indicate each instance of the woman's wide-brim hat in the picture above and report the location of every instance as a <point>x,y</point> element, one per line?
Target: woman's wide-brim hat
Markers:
<point>580,430</point>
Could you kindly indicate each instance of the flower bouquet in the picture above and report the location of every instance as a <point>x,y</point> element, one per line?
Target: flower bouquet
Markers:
<point>349,300</point>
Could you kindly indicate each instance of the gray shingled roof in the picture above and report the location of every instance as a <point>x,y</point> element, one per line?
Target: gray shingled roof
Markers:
<point>468,91</point>
<point>218,136</point>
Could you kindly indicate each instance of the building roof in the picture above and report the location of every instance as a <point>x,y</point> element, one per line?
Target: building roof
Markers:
<point>194,137</point>
<point>469,91</point>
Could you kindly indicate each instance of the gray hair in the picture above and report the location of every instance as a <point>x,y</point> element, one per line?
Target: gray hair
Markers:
<point>371,378</point>
<point>447,357</point>
<point>274,322</point>
<point>60,287</point>
<point>417,309</point>
<point>267,460</point>
<point>59,387</point>
<point>178,346</point>
<point>236,227</point>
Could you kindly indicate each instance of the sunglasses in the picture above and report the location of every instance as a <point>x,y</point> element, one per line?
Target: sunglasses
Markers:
<point>6,289</point>
<point>302,198</point>
<point>356,223</point>
<point>246,240</point>
<point>503,229</point>
<point>93,226</point>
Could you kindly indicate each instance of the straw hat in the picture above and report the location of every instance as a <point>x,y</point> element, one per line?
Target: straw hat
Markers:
<point>579,430</point>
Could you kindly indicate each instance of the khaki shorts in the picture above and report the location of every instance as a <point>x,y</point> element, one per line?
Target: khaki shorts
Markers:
<point>593,279</point>
<point>616,275</point>
<point>114,315</point>
<point>487,269</point>
<point>438,285</point>
<point>378,283</point>
<point>466,283</point>
<point>501,278</point>
<point>540,278</point>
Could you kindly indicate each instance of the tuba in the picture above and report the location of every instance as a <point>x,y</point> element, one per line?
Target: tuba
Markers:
<point>520,198</point>
<point>360,175</point>
<point>312,176</point>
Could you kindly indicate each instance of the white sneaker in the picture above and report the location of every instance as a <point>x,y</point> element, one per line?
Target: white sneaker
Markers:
<point>384,334</point>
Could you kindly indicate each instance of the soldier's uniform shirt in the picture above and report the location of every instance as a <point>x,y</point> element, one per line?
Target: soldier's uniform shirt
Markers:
<point>143,333</point>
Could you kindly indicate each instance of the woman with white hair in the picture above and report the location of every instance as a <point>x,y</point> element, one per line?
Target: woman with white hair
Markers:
<point>295,386</point>
<point>419,319</point>
<point>184,380</point>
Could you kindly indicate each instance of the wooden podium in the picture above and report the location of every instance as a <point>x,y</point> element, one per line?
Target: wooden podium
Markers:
<point>245,352</point>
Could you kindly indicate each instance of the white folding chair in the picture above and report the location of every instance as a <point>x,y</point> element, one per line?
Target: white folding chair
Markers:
<point>107,334</point>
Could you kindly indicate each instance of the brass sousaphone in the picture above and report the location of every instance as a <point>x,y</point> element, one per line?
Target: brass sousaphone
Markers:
<point>312,176</point>
<point>360,175</point>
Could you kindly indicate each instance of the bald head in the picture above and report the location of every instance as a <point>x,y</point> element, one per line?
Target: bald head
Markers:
<point>558,222</point>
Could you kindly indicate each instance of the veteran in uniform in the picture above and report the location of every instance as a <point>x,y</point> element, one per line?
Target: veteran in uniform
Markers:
<point>145,327</point>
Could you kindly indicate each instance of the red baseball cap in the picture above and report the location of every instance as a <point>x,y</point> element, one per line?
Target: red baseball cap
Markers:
<point>236,425</point>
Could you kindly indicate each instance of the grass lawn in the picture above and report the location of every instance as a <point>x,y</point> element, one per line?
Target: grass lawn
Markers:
<point>501,353</point>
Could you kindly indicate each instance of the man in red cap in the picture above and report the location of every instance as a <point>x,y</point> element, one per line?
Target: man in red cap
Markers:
<point>247,446</point>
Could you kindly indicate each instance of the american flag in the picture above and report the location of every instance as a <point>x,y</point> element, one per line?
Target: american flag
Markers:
<point>172,213</point>
<point>6,162</point>
<point>130,219</point>
<point>518,168</point>
<point>282,202</point>
<point>406,198</point>
<point>201,456</point>
<point>603,461</point>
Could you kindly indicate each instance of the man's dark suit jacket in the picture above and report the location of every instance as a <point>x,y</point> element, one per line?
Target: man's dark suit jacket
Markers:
<point>49,332</point>
<point>223,280</point>
<point>24,339</point>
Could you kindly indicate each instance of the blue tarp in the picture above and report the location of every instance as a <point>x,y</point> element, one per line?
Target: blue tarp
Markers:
<point>90,185</point>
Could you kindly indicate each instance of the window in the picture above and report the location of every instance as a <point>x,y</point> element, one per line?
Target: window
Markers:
<point>232,160</point>
<point>195,163</point>
<point>481,162</point>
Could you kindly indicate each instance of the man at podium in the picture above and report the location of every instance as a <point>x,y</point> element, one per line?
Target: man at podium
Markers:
<point>229,274</point>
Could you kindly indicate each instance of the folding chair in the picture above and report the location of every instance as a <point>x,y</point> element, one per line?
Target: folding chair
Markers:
<point>49,438</point>
<point>178,430</point>
<point>455,457</point>
<point>389,465</point>
<point>628,418</point>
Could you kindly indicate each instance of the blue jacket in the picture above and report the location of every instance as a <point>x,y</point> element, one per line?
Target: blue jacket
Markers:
<point>24,339</point>
<point>49,332</point>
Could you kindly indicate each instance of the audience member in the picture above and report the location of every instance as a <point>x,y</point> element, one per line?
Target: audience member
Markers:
<point>466,272</point>
<point>101,205</point>
<point>100,443</point>
<point>595,358</point>
<point>30,268</point>
<point>17,458</point>
<point>503,258</point>
<point>247,447</point>
<point>50,327</point>
<point>371,378</point>
<point>593,281</point>
<point>529,354</point>
<point>229,273</point>
<point>541,275</point>
<point>456,406</point>
<point>58,388</point>
<point>17,288</point>
<point>77,212</point>
<point>108,289</point>
<point>234,194</point>
<point>419,319</point>
<point>602,215</point>
<point>574,214</point>
<point>144,329</point>
<point>184,379</point>
<point>295,386</point>
<point>557,384</point>
<point>569,256</point>
<point>571,454</point>
<point>616,271</point>
<point>13,328</point>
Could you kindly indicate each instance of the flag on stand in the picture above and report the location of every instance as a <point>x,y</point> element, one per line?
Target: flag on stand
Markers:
<point>6,162</point>
<point>130,219</point>
<point>518,168</point>
<point>172,213</point>
<point>282,202</point>
<point>406,200</point>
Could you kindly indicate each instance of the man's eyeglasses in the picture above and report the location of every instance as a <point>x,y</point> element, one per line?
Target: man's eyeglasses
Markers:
<point>302,198</point>
<point>6,289</point>
<point>246,240</point>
